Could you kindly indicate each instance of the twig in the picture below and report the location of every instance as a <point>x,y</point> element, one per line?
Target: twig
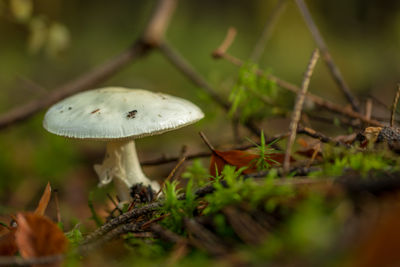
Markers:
<point>99,74</point>
<point>152,221</point>
<point>317,135</point>
<point>297,109</point>
<point>268,28</point>
<point>171,174</point>
<point>167,159</point>
<point>114,233</point>
<point>123,218</point>
<point>317,149</point>
<point>394,106</point>
<point>226,43</point>
<point>326,56</point>
<point>114,203</point>
<point>378,101</point>
<point>154,32</point>
<point>205,139</point>
<point>18,261</point>
<point>187,70</point>
<point>368,108</point>
<point>316,99</point>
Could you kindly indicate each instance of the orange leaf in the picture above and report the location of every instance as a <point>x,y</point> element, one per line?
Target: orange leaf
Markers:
<point>8,247</point>
<point>240,159</point>
<point>37,236</point>
<point>44,200</point>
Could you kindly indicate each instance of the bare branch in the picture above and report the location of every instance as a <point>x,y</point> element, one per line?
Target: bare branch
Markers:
<point>123,218</point>
<point>229,38</point>
<point>100,73</point>
<point>317,135</point>
<point>154,33</point>
<point>368,108</point>
<point>297,109</point>
<point>187,70</point>
<point>326,56</point>
<point>205,139</point>
<point>112,234</point>
<point>316,99</point>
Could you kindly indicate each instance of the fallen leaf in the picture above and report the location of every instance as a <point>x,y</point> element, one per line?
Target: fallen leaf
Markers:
<point>240,159</point>
<point>38,236</point>
<point>44,200</point>
<point>8,247</point>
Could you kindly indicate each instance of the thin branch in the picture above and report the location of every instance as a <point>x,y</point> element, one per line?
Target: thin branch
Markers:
<point>169,159</point>
<point>394,106</point>
<point>317,135</point>
<point>378,101</point>
<point>226,43</point>
<point>268,29</point>
<point>171,174</point>
<point>326,56</point>
<point>297,109</point>
<point>368,108</point>
<point>204,154</point>
<point>123,218</point>
<point>187,70</point>
<point>154,33</point>
<point>112,234</point>
<point>205,139</point>
<point>316,99</point>
<point>99,74</point>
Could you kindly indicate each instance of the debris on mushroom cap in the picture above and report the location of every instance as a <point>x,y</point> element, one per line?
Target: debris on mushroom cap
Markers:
<point>116,112</point>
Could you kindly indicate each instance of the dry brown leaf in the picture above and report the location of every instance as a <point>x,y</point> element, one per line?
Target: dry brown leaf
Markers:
<point>240,159</point>
<point>33,229</point>
<point>8,247</point>
<point>44,200</point>
<point>37,236</point>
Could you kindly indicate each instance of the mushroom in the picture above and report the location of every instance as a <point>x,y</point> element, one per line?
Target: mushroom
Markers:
<point>119,116</point>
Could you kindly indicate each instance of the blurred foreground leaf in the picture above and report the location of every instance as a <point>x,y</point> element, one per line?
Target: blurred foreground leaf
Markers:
<point>38,236</point>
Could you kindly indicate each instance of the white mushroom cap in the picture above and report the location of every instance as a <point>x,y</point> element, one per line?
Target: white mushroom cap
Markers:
<point>118,113</point>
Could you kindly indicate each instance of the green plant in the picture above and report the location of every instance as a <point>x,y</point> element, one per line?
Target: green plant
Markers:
<point>265,151</point>
<point>254,95</point>
<point>197,173</point>
<point>338,160</point>
<point>178,209</point>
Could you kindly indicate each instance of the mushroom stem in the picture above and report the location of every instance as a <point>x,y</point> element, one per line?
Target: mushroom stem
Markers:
<point>121,164</point>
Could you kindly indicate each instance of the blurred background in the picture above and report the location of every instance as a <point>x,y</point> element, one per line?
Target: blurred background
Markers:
<point>43,44</point>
